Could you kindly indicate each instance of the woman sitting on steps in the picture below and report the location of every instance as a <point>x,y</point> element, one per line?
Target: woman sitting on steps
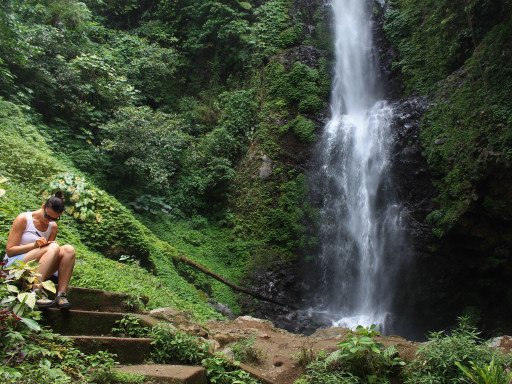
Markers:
<point>32,237</point>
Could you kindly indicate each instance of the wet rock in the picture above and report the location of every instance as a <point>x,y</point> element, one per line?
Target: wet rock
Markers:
<point>502,343</point>
<point>391,80</point>
<point>221,308</point>
<point>305,54</point>
<point>411,175</point>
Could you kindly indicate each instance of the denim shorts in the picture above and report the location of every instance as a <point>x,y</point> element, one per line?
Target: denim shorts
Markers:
<point>9,260</point>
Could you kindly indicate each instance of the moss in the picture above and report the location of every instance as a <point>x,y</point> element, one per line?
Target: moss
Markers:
<point>466,133</point>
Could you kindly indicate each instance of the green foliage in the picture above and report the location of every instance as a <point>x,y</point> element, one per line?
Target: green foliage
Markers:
<point>177,347</point>
<point>150,144</point>
<point>365,358</point>
<point>246,352</point>
<point>222,371</point>
<point>168,289</point>
<point>148,66</point>
<point>31,161</point>
<point>85,86</point>
<point>302,87</point>
<point>214,247</point>
<point>130,326</point>
<point>303,128</point>
<point>118,233</point>
<point>438,360</point>
<point>80,197</point>
<point>489,374</point>
<point>467,131</point>
<point>291,36</point>
<point>209,164</point>
<point>320,372</point>
<point>360,359</point>
<point>435,37</point>
<point>305,356</point>
<point>19,305</point>
<point>274,214</point>
<point>152,204</point>
<point>30,353</point>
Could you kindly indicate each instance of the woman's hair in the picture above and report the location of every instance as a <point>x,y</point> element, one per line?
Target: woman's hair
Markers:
<point>56,202</point>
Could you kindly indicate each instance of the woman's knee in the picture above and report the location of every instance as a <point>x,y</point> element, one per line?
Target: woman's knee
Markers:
<point>67,251</point>
<point>53,249</point>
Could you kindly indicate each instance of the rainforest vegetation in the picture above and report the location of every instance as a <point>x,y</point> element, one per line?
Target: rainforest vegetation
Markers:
<point>182,127</point>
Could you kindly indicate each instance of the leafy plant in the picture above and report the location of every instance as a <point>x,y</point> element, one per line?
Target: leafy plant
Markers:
<point>365,357</point>
<point>222,371</point>
<point>130,326</point>
<point>439,359</point>
<point>173,346</point>
<point>321,372</point>
<point>303,128</point>
<point>81,198</point>
<point>488,374</point>
<point>152,204</point>
<point>305,356</point>
<point>30,353</point>
<point>22,303</point>
<point>149,144</point>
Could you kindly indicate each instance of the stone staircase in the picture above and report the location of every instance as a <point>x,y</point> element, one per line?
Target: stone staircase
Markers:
<point>89,323</point>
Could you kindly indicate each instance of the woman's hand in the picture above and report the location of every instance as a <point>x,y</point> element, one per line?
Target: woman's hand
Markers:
<point>41,242</point>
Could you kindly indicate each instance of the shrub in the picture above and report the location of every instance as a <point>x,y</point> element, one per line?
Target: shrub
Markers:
<point>439,360</point>
<point>360,359</point>
<point>130,326</point>
<point>221,371</point>
<point>177,347</point>
<point>303,128</point>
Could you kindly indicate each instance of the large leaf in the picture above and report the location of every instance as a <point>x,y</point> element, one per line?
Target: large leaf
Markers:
<point>12,288</point>
<point>8,299</point>
<point>27,298</point>
<point>32,324</point>
<point>49,286</point>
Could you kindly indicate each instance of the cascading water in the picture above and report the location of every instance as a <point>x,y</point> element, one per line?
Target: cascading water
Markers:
<point>360,241</point>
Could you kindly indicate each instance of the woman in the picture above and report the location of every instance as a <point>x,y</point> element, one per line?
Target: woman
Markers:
<point>32,237</point>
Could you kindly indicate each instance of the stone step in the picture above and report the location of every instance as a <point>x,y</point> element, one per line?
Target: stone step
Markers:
<point>176,374</point>
<point>85,323</point>
<point>87,299</point>
<point>128,350</point>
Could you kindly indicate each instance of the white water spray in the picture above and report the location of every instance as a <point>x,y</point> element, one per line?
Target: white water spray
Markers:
<point>360,233</point>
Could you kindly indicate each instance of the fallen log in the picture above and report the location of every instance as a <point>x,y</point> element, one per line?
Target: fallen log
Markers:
<point>230,284</point>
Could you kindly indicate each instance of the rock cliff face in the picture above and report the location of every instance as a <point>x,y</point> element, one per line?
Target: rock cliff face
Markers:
<point>448,276</point>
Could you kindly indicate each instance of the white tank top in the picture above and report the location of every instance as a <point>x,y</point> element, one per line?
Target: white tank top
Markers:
<point>31,233</point>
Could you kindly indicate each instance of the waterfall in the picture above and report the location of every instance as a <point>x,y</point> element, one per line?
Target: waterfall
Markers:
<point>360,241</point>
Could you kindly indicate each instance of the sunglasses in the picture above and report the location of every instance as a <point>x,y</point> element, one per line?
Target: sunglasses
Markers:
<point>48,217</point>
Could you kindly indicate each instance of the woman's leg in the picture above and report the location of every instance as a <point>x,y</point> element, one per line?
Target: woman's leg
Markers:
<point>65,266</point>
<point>48,257</point>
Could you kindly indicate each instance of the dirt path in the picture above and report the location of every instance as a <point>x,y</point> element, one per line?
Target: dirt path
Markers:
<point>280,349</point>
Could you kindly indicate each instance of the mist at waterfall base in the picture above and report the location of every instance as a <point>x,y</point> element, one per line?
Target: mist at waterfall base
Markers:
<point>362,252</point>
